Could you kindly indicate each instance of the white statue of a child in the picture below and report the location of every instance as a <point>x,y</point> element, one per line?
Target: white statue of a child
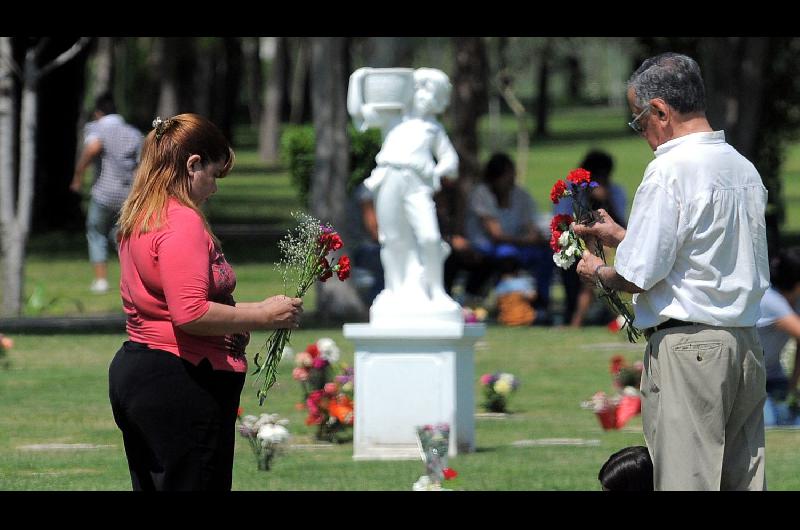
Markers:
<point>416,154</point>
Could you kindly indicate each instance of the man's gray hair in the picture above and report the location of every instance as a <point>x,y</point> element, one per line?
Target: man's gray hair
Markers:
<point>672,77</point>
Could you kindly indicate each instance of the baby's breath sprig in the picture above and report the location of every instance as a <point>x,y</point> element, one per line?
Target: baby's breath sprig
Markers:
<point>304,260</point>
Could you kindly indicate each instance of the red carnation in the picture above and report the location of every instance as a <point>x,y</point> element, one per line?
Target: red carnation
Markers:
<point>559,190</point>
<point>313,351</point>
<point>554,241</point>
<point>343,268</point>
<point>560,223</point>
<point>239,412</point>
<point>617,362</point>
<point>449,473</point>
<point>331,241</point>
<point>579,176</point>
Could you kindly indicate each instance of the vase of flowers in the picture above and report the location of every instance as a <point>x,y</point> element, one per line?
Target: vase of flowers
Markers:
<point>433,441</point>
<point>497,389</point>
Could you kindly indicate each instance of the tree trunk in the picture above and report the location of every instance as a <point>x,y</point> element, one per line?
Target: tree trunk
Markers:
<point>103,66</point>
<point>336,301</point>
<point>298,93</point>
<point>231,80</point>
<point>16,217</point>
<point>468,103</point>
<point>252,61</point>
<point>8,234</point>
<point>390,52</point>
<point>269,130</point>
<point>167,67</point>
<point>543,104</point>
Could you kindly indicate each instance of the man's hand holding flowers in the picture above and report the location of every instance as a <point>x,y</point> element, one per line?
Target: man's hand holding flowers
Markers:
<point>604,228</point>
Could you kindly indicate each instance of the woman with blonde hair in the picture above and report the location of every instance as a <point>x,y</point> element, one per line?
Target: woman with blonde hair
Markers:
<point>174,385</point>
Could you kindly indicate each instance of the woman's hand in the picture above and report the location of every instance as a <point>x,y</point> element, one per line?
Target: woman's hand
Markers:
<point>282,311</point>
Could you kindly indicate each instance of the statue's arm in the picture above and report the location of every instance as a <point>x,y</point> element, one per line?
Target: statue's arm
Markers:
<point>446,157</point>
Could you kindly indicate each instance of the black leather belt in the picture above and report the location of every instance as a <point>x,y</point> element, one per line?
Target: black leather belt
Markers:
<point>671,323</point>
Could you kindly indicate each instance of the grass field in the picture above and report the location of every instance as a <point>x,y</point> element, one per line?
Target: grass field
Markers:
<point>56,392</point>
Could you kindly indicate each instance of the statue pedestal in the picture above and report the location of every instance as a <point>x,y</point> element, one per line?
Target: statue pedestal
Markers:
<point>405,376</point>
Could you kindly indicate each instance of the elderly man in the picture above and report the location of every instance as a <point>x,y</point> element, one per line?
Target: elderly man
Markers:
<point>695,254</point>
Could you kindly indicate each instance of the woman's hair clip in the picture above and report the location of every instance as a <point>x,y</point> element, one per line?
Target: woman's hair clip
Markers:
<point>161,126</point>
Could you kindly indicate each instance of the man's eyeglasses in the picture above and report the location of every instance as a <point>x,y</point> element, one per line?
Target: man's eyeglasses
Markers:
<point>634,123</point>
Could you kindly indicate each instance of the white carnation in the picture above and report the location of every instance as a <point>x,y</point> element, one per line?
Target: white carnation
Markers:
<point>328,349</point>
<point>565,262</point>
<point>273,434</point>
<point>564,239</point>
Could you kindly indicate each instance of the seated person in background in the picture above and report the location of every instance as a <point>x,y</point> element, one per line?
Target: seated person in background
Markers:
<point>629,469</point>
<point>778,323</point>
<point>501,213</point>
<point>610,196</point>
<point>462,257</point>
<point>515,292</point>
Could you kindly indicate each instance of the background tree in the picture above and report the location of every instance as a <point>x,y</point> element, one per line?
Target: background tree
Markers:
<point>330,71</point>
<point>753,93</point>
<point>469,101</point>
<point>274,95</point>
<point>17,178</point>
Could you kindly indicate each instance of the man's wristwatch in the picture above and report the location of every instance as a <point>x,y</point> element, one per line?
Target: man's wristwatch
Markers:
<point>597,272</point>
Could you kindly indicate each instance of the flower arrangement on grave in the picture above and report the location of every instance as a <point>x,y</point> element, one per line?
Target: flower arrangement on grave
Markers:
<point>497,389</point>
<point>6,343</point>
<point>474,315</point>
<point>567,246</point>
<point>305,253</point>
<point>615,410</point>
<point>327,396</point>
<point>267,435</point>
<point>433,442</point>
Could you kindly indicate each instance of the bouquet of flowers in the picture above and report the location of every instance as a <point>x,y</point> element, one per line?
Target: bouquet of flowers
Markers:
<point>434,442</point>
<point>304,260</point>
<point>497,388</point>
<point>568,247</point>
<point>5,345</point>
<point>267,434</point>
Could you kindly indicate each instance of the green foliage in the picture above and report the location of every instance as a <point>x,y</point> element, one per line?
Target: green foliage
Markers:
<point>38,302</point>
<point>364,147</point>
<point>297,151</point>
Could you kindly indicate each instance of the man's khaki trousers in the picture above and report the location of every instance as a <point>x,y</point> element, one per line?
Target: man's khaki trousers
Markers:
<point>703,392</point>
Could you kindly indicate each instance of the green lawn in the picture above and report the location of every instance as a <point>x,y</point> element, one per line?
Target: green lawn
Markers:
<point>56,392</point>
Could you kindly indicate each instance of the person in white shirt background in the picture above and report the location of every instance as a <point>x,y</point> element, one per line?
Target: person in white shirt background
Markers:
<point>695,255</point>
<point>778,323</point>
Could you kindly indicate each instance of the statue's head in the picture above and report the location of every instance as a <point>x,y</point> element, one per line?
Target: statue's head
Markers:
<point>431,91</point>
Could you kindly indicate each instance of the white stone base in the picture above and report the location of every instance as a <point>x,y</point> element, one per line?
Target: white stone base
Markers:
<point>407,376</point>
